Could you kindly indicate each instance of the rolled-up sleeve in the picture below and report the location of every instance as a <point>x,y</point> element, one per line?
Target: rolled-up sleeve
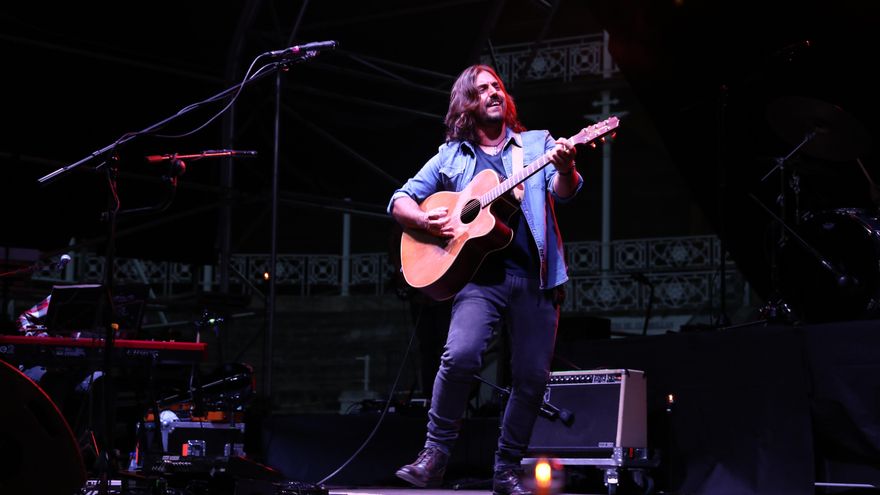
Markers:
<point>550,172</point>
<point>426,182</point>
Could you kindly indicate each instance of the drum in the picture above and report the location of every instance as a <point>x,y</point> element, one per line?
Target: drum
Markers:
<point>832,273</point>
<point>38,452</point>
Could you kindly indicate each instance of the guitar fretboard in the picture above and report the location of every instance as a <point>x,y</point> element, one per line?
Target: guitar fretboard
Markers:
<point>505,186</point>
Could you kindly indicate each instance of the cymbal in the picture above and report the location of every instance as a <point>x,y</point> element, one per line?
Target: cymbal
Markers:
<point>836,135</point>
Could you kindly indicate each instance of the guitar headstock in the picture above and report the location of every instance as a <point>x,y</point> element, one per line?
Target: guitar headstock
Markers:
<point>596,131</point>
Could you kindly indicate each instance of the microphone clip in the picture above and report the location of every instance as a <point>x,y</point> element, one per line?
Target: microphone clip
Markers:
<point>176,168</point>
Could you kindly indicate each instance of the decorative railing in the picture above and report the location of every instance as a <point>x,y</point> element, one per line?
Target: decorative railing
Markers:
<point>669,273</point>
<point>679,274</point>
<point>561,59</point>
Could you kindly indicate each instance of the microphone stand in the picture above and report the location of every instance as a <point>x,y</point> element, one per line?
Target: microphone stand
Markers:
<point>107,461</point>
<point>642,279</point>
<point>104,462</point>
<point>279,66</point>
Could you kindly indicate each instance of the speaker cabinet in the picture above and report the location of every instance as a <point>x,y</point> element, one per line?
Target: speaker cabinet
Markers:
<point>598,411</point>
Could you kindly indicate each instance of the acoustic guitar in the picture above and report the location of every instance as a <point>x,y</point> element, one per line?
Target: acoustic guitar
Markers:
<point>440,267</point>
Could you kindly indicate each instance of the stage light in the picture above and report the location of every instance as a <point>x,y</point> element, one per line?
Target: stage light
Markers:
<point>548,477</point>
<point>543,474</point>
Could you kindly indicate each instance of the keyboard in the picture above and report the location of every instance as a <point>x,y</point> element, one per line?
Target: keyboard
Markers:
<point>16,349</point>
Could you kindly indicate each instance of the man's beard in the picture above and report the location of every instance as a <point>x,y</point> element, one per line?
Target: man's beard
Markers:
<point>485,118</point>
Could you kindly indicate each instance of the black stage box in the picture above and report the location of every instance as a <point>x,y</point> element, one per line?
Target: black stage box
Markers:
<point>600,410</point>
<point>199,438</point>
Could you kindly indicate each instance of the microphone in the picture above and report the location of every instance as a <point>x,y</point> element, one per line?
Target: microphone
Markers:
<point>227,153</point>
<point>62,262</point>
<point>196,156</point>
<point>158,158</point>
<point>552,413</point>
<point>315,46</point>
<point>566,416</point>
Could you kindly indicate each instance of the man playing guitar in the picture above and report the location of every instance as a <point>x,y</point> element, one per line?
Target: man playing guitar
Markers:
<point>515,282</point>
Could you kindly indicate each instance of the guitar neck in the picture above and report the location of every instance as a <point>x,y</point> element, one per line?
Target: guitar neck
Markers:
<point>586,135</point>
<point>518,177</point>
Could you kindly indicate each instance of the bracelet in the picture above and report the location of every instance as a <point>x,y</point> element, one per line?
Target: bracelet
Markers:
<point>569,171</point>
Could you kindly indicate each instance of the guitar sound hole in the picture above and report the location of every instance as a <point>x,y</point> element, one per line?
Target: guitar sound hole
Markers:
<point>470,211</point>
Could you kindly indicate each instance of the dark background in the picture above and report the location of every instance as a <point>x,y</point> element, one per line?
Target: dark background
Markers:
<point>695,153</point>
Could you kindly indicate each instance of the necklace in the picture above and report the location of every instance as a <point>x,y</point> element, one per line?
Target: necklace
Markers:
<point>496,147</point>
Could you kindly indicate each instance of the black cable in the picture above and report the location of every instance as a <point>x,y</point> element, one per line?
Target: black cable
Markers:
<point>384,409</point>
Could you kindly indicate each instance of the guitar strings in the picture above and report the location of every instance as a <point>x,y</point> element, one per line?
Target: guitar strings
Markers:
<point>493,194</point>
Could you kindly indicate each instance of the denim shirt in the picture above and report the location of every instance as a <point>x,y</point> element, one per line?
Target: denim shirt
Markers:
<point>452,168</point>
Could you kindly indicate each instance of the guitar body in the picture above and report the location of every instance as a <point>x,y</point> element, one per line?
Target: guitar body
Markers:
<point>441,267</point>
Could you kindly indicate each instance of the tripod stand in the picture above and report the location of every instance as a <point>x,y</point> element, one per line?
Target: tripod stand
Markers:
<point>776,308</point>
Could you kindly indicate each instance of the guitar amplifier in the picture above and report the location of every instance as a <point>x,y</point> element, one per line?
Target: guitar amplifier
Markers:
<point>598,411</point>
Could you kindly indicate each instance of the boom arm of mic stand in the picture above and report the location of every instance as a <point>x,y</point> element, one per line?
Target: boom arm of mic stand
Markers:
<point>158,125</point>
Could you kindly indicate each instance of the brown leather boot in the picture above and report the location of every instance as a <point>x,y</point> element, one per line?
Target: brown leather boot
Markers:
<point>427,470</point>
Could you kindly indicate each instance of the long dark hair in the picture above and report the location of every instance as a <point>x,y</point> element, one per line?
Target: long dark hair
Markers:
<point>460,121</point>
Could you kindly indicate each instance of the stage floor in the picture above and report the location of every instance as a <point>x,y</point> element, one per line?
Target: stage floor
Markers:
<point>422,491</point>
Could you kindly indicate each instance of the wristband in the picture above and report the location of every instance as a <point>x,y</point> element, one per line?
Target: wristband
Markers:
<point>569,171</point>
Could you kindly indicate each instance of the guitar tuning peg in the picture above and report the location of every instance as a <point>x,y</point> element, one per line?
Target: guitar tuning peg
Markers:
<point>593,145</point>
<point>602,139</point>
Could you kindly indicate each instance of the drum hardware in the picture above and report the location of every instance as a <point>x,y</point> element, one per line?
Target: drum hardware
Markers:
<point>776,308</point>
<point>845,283</point>
<point>819,129</point>
<point>835,135</point>
<point>873,189</point>
<point>842,278</point>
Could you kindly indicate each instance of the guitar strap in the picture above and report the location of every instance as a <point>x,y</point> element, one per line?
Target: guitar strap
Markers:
<point>517,166</point>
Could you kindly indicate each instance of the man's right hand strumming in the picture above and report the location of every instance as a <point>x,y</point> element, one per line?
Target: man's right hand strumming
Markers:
<point>435,221</point>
